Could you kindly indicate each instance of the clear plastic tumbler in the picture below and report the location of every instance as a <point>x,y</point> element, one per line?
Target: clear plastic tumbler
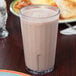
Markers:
<point>39,25</point>
<point>3,19</point>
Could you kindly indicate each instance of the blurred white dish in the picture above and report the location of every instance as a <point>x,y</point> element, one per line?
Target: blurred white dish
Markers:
<point>69,31</point>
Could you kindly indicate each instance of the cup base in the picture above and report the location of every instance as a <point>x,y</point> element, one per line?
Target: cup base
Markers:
<point>3,34</point>
<point>40,72</point>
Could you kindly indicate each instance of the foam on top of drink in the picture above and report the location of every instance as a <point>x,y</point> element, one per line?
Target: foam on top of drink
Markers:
<point>40,14</point>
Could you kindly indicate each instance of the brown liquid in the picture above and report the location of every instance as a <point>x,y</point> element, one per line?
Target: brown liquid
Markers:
<point>39,40</point>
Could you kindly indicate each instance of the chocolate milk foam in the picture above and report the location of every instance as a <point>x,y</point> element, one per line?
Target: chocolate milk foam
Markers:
<point>39,32</point>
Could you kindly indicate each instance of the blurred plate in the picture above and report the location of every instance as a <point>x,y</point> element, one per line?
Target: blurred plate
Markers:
<point>67,20</point>
<point>12,73</point>
<point>14,11</point>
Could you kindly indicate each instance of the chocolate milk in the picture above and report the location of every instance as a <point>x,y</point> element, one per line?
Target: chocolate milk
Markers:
<point>39,32</point>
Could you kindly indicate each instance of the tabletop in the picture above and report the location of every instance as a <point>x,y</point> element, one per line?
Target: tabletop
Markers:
<point>12,56</point>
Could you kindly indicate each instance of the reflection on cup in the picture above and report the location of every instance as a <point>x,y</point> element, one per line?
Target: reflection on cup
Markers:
<point>39,25</point>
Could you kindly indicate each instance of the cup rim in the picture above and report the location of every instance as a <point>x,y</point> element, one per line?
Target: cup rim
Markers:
<point>39,5</point>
